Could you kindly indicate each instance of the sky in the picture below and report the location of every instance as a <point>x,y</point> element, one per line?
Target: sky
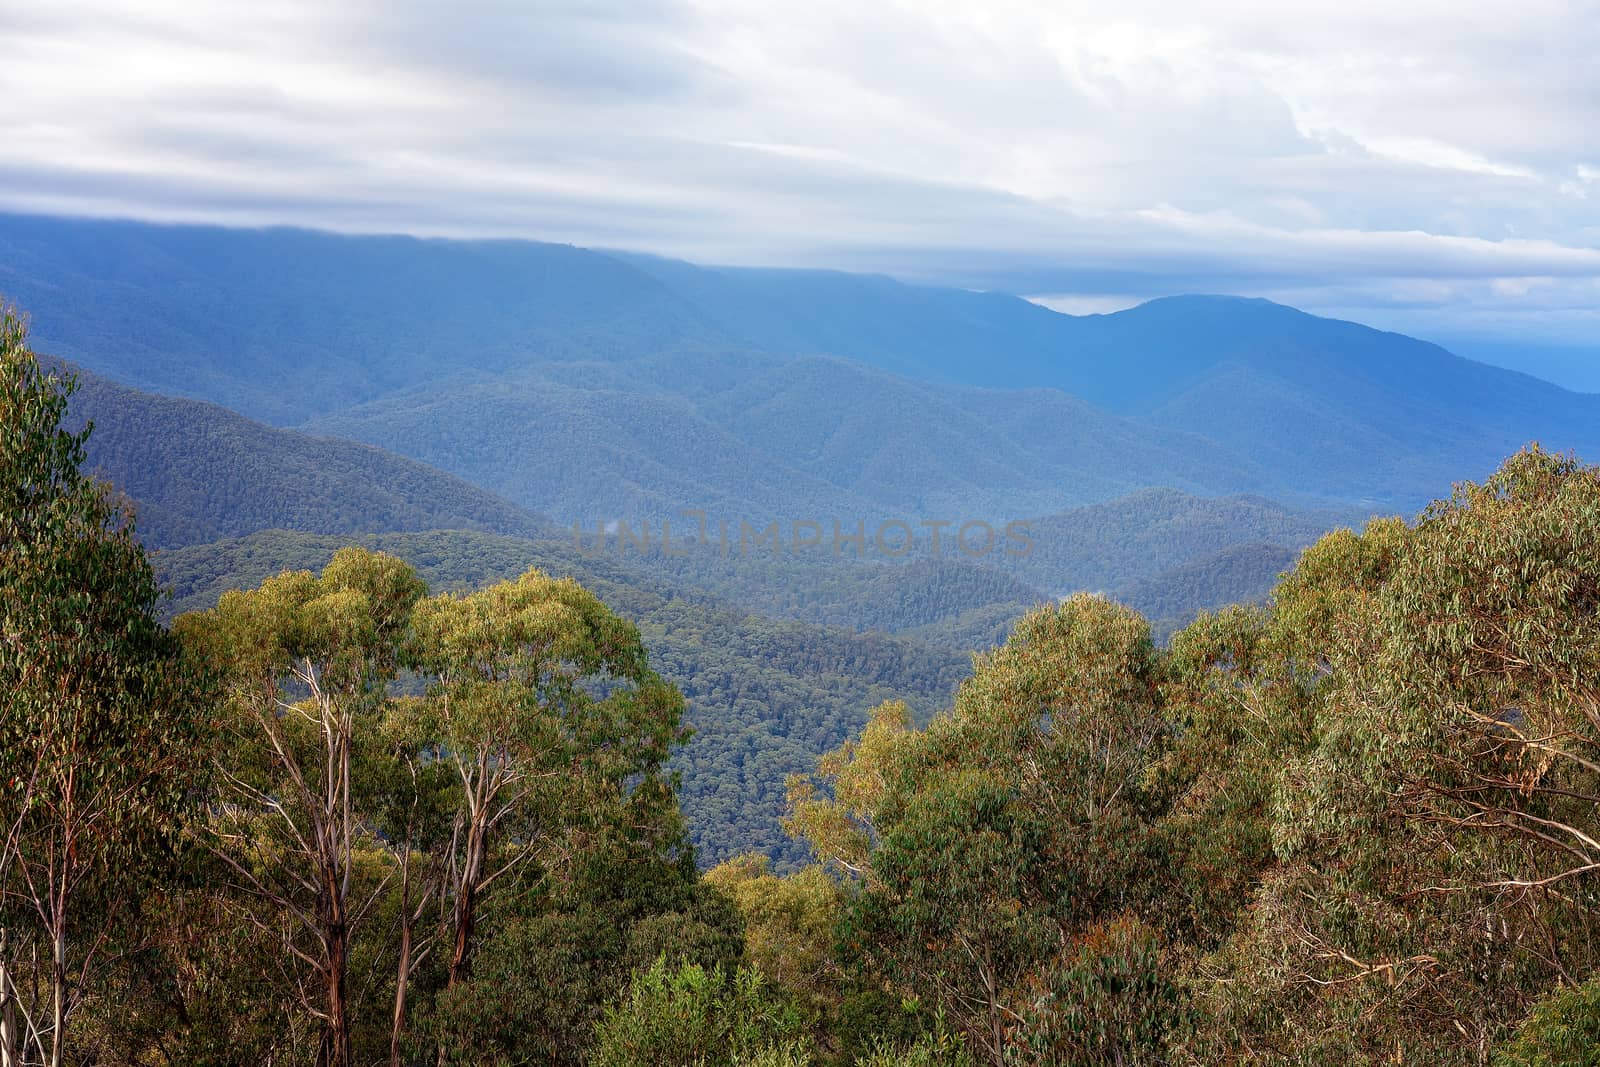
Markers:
<point>1427,165</point>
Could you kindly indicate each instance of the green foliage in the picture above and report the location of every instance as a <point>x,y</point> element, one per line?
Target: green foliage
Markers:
<point>1109,999</point>
<point>764,697</point>
<point>354,812</point>
<point>1354,824</point>
<point>788,924</point>
<point>705,1018</point>
<point>547,964</point>
<point>558,731</point>
<point>101,732</point>
<point>1429,821</point>
<point>1019,819</point>
<point>938,1049</point>
<point>1563,1030</point>
<point>515,664</point>
<point>307,663</point>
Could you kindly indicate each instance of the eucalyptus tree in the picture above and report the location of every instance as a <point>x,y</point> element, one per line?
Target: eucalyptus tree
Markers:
<point>1433,871</point>
<point>543,703</point>
<point>307,663</point>
<point>99,722</point>
<point>1006,852</point>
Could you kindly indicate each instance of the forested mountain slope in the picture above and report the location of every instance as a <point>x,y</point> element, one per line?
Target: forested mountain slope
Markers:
<point>589,454</point>
<point>200,472</point>
<point>281,324</point>
<point>765,697</point>
<point>764,438</point>
<point>766,694</point>
<point>1241,574</point>
<point>1100,547</point>
<point>1100,850</point>
<point>770,686</point>
<point>1210,394</point>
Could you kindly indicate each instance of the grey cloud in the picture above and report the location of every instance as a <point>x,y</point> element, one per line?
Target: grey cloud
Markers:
<point>573,51</point>
<point>1101,151</point>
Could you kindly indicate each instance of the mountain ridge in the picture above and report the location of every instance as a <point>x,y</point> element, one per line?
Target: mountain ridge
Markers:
<point>868,404</point>
<point>200,471</point>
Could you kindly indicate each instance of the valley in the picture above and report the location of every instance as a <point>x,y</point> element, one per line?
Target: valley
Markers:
<point>548,388</point>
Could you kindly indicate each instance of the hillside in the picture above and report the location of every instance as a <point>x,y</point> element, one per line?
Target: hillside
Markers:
<point>767,693</point>
<point>200,472</point>
<point>1241,574</point>
<point>282,324</point>
<point>634,385</point>
<point>763,438</point>
<point>860,594</point>
<point>765,698</point>
<point>948,451</point>
<point>588,454</point>
<point>1102,547</point>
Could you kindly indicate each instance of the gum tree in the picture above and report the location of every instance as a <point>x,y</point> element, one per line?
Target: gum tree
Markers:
<point>543,703</point>
<point>307,662</point>
<point>99,728</point>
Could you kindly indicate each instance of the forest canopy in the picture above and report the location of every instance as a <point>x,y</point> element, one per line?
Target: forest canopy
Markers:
<point>341,818</point>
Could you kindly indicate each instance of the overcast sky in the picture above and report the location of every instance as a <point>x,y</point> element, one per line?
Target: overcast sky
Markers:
<point>1431,165</point>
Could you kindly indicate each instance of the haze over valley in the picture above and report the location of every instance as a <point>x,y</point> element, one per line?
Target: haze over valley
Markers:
<point>568,408</point>
<point>699,534</point>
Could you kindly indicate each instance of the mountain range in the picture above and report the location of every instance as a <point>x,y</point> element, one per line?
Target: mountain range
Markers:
<point>200,472</point>
<point>584,384</point>
<point>482,407</point>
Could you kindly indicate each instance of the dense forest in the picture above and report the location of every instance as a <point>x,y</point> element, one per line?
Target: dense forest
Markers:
<point>779,653</point>
<point>201,472</point>
<point>374,809</point>
<point>765,697</point>
<point>766,393</point>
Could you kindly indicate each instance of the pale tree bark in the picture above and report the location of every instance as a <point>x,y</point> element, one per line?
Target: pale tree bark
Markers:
<point>414,904</point>
<point>494,785</point>
<point>320,831</point>
<point>51,864</point>
<point>402,981</point>
<point>12,1040</point>
<point>410,957</point>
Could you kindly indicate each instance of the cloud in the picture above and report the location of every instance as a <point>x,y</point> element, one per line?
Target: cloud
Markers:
<point>1339,150</point>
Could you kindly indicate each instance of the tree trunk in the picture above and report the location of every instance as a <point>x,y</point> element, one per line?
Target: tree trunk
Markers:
<point>466,920</point>
<point>8,1016</point>
<point>401,981</point>
<point>466,912</point>
<point>467,904</point>
<point>58,988</point>
<point>334,1050</point>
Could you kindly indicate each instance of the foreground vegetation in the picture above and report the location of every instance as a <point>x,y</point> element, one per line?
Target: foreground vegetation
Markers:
<point>335,819</point>
<point>765,697</point>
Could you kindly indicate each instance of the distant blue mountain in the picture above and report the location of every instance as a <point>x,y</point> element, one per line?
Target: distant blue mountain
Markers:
<point>571,380</point>
<point>1572,366</point>
<point>200,472</point>
<point>283,324</point>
